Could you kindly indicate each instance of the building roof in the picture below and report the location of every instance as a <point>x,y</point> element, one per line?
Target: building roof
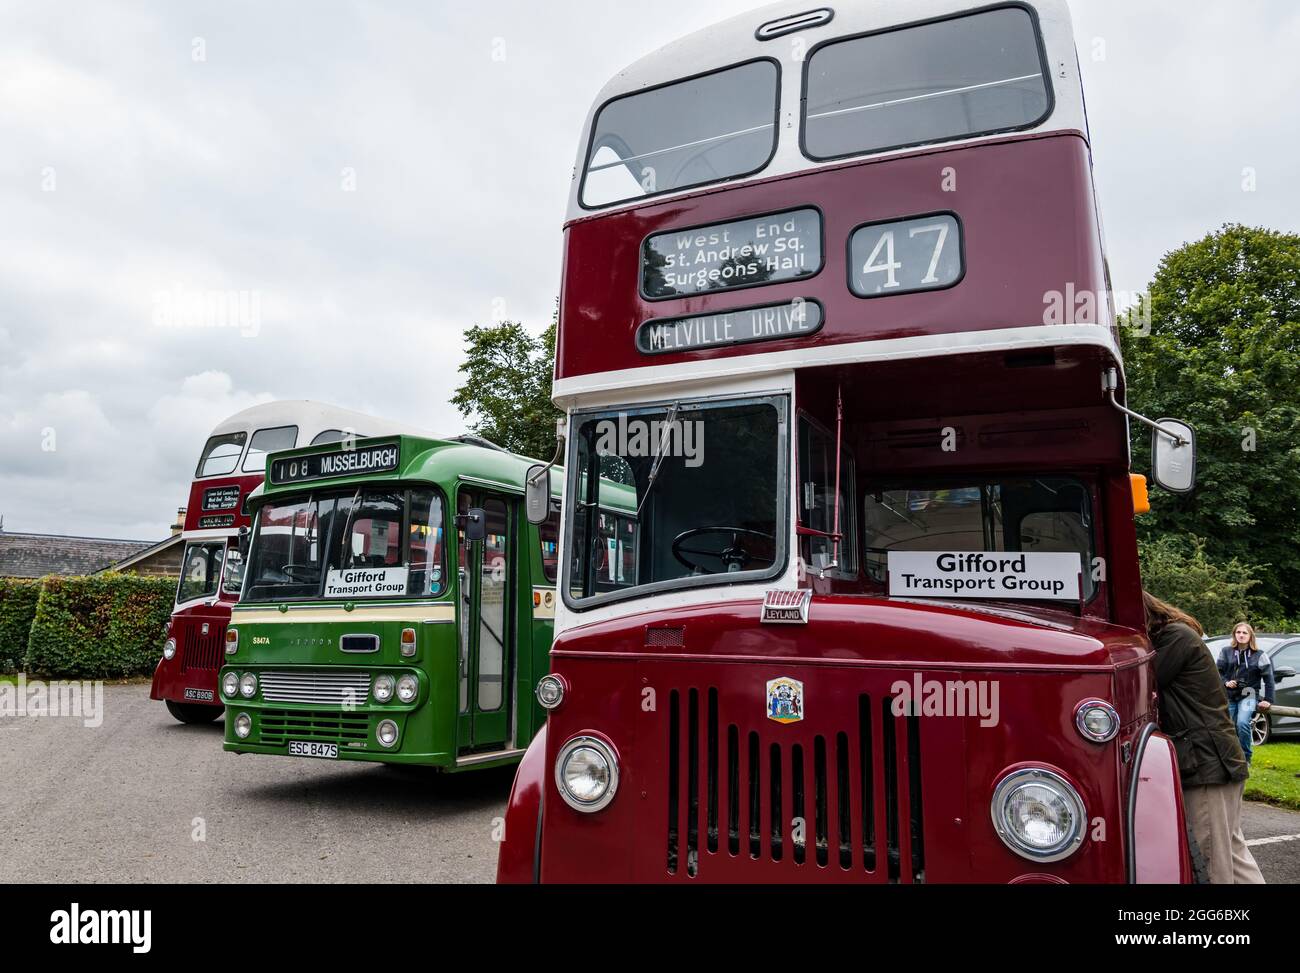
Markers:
<point>150,551</point>
<point>36,555</point>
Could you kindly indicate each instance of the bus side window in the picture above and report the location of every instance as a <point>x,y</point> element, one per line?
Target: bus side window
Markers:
<point>816,500</point>
<point>549,533</point>
<point>425,557</point>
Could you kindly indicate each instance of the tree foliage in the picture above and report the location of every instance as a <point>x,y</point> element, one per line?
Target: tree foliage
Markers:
<point>1223,353</point>
<point>506,395</point>
<point>103,626</point>
<point>18,598</point>
<point>1179,570</point>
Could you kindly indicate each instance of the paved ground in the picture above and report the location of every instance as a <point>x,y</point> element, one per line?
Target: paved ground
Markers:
<point>119,803</point>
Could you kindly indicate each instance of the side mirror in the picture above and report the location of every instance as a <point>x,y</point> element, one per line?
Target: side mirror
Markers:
<point>1173,463</point>
<point>537,493</point>
<point>474,523</point>
<point>245,539</point>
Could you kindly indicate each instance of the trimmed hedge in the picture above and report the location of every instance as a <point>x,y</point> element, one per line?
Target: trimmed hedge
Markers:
<point>102,626</point>
<point>18,598</point>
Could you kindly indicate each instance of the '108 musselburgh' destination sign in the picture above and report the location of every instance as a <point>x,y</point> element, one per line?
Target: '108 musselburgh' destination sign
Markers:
<point>723,256</point>
<point>348,462</point>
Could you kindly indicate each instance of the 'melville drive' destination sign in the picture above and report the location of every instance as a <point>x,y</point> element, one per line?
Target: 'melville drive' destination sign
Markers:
<point>365,582</point>
<point>794,319</point>
<point>984,574</point>
<point>722,256</point>
<point>320,466</point>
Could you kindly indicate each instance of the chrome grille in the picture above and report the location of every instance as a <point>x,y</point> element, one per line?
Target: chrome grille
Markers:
<point>338,688</point>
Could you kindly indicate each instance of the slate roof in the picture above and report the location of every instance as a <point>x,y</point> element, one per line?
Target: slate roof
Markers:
<point>36,555</point>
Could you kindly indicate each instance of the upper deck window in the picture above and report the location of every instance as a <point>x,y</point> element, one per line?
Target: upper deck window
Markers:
<point>688,133</point>
<point>221,454</point>
<point>268,441</point>
<point>933,82</point>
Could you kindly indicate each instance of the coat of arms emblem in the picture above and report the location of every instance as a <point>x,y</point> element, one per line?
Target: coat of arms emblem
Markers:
<point>785,700</point>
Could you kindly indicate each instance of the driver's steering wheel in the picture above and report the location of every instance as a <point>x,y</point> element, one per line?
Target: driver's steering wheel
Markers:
<point>298,572</point>
<point>733,554</point>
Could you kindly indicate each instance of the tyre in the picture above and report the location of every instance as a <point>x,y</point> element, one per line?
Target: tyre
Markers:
<point>1261,730</point>
<point>193,712</point>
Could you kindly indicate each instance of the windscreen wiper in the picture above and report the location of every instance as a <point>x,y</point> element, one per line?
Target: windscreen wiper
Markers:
<point>659,457</point>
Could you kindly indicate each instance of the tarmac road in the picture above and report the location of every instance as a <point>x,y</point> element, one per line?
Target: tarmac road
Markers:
<point>143,798</point>
<point>120,803</point>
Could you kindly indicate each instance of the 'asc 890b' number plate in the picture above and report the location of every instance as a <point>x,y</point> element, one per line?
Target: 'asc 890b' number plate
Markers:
<point>307,748</point>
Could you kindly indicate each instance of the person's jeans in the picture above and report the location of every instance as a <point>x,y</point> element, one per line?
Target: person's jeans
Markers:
<point>1242,713</point>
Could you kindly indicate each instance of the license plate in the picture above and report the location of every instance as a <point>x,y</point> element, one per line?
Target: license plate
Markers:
<point>204,695</point>
<point>306,748</point>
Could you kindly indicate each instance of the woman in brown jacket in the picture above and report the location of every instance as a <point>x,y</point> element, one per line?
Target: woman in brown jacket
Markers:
<point>1194,713</point>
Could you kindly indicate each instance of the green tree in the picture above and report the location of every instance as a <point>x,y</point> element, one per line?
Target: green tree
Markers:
<point>506,395</point>
<point>1223,353</point>
<point>1178,570</point>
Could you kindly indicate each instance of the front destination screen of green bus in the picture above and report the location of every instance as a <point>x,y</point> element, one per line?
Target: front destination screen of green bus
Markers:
<point>682,495</point>
<point>355,545</point>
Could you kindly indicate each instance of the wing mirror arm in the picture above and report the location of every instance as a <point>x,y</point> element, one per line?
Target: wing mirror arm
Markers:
<point>537,481</point>
<point>1173,443</point>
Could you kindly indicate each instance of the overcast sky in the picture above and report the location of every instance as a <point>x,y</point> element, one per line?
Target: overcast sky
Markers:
<point>378,176</point>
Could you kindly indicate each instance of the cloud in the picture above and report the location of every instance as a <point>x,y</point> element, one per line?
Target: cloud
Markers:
<point>380,176</point>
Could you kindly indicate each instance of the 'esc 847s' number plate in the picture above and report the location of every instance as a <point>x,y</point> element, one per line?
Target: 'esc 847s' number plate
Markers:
<point>307,748</point>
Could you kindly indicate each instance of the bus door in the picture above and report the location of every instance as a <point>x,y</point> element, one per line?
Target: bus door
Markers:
<point>487,572</point>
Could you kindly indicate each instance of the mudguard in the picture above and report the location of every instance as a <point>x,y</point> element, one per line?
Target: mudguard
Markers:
<point>518,858</point>
<point>1157,830</point>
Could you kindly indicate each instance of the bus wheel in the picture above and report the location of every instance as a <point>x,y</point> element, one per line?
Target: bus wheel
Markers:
<point>192,712</point>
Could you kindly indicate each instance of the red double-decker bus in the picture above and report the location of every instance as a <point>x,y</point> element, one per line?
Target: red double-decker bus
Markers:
<point>231,466</point>
<point>835,306</point>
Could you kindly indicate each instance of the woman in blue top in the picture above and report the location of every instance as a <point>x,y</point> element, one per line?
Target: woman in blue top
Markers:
<point>1247,676</point>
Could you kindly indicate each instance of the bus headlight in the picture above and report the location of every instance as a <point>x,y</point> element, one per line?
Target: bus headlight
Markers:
<point>1096,720</point>
<point>169,649</point>
<point>550,691</point>
<point>230,684</point>
<point>243,726</point>
<point>382,690</point>
<point>248,685</point>
<point>408,687</point>
<point>1038,815</point>
<point>386,733</point>
<point>586,773</point>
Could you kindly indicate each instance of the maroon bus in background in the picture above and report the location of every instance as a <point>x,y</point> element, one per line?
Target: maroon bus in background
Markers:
<point>231,466</point>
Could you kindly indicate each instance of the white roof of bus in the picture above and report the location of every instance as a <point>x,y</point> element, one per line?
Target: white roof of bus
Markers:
<point>313,418</point>
<point>733,41</point>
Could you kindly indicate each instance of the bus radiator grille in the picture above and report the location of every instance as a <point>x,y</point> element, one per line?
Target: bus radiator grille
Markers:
<point>850,800</point>
<point>346,687</point>
<point>280,726</point>
<point>199,651</point>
